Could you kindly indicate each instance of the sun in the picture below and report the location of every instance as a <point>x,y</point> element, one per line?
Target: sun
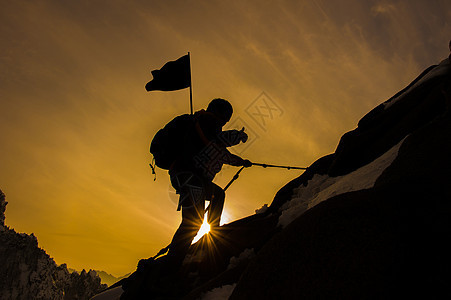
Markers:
<point>204,229</point>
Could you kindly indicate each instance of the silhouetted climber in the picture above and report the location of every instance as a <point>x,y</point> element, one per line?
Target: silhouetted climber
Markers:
<point>204,152</point>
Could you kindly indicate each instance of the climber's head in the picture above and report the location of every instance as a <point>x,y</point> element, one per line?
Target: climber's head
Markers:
<point>221,108</point>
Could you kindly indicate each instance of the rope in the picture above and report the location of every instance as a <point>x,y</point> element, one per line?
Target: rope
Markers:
<point>235,177</point>
<point>282,167</point>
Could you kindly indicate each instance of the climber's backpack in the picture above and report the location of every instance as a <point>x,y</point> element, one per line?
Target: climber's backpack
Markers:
<point>168,142</point>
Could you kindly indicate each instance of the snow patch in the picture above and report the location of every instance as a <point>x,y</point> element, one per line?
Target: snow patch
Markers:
<point>302,195</point>
<point>112,294</point>
<point>262,209</point>
<point>323,187</point>
<point>220,293</point>
<point>247,254</point>
<point>194,258</point>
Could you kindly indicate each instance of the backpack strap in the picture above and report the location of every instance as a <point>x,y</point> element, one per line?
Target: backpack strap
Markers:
<point>199,130</point>
<point>201,133</point>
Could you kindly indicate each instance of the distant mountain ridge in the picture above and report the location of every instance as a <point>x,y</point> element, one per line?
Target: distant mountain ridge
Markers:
<point>28,272</point>
<point>105,277</point>
<point>371,220</point>
<point>108,278</point>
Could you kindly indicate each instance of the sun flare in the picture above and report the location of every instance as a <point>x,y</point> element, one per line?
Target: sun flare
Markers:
<point>204,229</point>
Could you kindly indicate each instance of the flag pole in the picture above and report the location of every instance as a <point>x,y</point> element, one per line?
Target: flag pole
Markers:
<point>190,85</point>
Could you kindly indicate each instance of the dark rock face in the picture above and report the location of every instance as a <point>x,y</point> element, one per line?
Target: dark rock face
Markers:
<point>2,209</point>
<point>389,241</point>
<point>27,272</point>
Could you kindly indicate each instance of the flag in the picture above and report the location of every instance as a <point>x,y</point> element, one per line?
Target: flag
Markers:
<point>174,75</point>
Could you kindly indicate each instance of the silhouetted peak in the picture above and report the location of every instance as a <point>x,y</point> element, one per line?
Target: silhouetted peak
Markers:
<point>2,209</point>
<point>28,272</point>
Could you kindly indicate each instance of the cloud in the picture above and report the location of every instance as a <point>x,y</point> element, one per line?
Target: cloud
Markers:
<point>383,8</point>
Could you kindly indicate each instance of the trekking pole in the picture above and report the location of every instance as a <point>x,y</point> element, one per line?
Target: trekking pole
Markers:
<point>235,177</point>
<point>275,166</point>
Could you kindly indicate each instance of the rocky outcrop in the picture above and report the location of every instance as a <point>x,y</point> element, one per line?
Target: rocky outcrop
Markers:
<point>387,124</point>
<point>2,210</point>
<point>28,272</point>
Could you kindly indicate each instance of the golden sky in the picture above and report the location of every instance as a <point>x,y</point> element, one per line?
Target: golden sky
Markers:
<point>76,121</point>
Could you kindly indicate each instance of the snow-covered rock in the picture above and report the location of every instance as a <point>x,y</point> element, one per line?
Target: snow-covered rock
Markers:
<point>442,69</point>
<point>219,293</point>
<point>323,187</point>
